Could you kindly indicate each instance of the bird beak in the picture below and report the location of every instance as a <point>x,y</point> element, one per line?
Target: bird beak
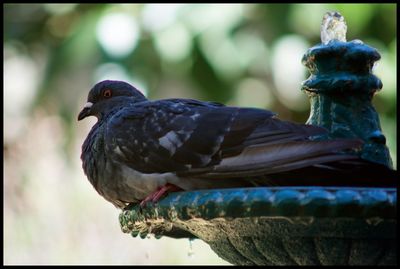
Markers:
<point>85,111</point>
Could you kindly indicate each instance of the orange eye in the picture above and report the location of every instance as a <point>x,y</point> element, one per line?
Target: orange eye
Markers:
<point>107,93</point>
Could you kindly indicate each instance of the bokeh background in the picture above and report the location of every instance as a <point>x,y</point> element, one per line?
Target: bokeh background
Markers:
<point>238,54</point>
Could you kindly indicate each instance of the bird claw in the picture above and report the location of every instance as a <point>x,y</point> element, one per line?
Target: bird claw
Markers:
<point>156,196</point>
<point>145,201</point>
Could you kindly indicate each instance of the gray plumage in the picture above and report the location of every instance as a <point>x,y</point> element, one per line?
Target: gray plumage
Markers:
<point>138,145</point>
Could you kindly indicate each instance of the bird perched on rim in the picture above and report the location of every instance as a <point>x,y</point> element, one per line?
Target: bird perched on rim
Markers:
<point>140,149</point>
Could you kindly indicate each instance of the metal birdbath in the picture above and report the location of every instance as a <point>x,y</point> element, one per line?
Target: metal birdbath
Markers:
<point>302,225</point>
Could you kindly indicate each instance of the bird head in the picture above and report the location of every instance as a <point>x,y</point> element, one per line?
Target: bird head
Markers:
<point>107,96</point>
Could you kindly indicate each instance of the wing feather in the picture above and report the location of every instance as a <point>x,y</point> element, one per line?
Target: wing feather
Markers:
<point>193,138</point>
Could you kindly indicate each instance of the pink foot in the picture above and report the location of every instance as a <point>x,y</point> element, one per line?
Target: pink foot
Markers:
<point>155,196</point>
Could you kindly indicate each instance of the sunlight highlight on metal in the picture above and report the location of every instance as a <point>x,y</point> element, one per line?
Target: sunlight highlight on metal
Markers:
<point>333,27</point>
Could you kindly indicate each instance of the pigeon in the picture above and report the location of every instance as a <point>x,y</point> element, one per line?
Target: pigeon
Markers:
<point>140,150</point>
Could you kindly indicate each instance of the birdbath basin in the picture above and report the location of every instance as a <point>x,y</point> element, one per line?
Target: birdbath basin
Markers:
<point>279,225</point>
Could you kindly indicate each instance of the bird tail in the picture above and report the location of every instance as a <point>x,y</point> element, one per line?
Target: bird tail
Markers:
<point>267,159</point>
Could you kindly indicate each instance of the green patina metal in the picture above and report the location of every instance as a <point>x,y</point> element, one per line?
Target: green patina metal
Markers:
<point>278,225</point>
<point>341,87</point>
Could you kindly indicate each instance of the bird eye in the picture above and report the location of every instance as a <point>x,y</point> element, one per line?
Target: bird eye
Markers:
<point>107,93</point>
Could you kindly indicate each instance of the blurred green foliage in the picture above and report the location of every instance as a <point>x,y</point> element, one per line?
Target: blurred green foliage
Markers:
<point>64,35</point>
<point>66,38</point>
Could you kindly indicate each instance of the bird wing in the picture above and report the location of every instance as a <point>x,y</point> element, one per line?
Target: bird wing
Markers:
<point>209,140</point>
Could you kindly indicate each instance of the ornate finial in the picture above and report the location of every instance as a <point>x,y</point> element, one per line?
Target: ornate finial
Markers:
<point>341,87</point>
<point>333,27</point>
